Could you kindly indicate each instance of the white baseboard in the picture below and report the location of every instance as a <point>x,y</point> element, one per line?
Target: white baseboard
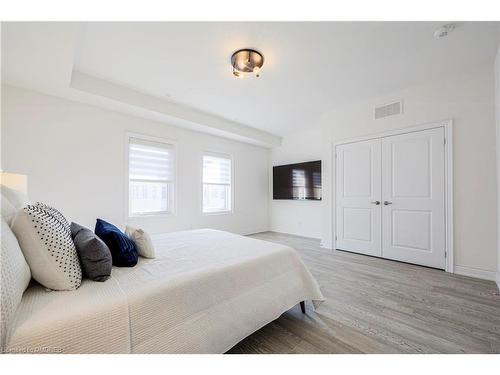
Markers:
<point>476,272</point>
<point>254,232</point>
<point>498,280</point>
<point>294,234</point>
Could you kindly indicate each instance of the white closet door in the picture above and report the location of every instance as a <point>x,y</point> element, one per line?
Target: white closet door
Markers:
<point>413,189</point>
<point>358,192</point>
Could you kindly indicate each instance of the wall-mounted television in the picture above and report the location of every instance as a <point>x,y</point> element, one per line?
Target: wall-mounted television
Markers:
<point>301,181</point>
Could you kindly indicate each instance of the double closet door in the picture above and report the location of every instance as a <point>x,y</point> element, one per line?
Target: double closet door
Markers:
<point>390,197</point>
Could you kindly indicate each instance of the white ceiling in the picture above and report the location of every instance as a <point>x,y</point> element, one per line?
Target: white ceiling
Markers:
<point>309,68</point>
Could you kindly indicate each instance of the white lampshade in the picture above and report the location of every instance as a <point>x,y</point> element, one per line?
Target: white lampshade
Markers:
<point>15,181</point>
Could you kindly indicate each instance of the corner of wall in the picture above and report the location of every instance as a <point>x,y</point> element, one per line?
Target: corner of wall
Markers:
<point>497,115</point>
<point>326,244</point>
<point>269,189</point>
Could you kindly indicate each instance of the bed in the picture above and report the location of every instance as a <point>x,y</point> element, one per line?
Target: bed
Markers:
<point>204,292</point>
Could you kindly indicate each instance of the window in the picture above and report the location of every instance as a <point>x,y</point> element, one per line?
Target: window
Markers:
<point>216,183</point>
<point>151,177</point>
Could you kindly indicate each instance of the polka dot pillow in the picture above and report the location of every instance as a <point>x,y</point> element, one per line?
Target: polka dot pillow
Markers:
<point>57,215</point>
<point>45,240</point>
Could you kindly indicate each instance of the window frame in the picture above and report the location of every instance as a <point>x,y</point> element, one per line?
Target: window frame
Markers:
<point>224,155</point>
<point>166,141</point>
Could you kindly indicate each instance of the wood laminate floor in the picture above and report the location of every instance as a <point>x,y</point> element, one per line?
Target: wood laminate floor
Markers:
<point>379,306</point>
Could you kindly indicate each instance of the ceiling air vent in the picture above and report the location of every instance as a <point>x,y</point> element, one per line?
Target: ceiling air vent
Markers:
<point>391,109</point>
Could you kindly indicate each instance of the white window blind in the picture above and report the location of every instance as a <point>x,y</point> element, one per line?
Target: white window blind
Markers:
<point>151,177</point>
<point>216,183</point>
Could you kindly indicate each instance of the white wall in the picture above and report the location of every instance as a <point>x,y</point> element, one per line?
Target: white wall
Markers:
<point>73,155</point>
<point>467,99</point>
<point>302,218</point>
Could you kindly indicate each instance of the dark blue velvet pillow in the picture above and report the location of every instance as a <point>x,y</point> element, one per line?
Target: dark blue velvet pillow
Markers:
<point>123,249</point>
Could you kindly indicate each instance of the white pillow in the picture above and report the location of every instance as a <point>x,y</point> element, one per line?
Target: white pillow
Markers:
<point>14,279</point>
<point>11,201</point>
<point>8,210</point>
<point>48,248</point>
<point>17,198</point>
<point>142,241</point>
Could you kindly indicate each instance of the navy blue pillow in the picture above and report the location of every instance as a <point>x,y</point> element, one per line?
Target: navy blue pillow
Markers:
<point>123,249</point>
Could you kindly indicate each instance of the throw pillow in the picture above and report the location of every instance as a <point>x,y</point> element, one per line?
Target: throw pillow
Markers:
<point>123,249</point>
<point>48,248</point>
<point>59,216</point>
<point>94,254</point>
<point>142,241</point>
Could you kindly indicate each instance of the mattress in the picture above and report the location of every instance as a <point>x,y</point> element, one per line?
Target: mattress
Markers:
<point>205,291</point>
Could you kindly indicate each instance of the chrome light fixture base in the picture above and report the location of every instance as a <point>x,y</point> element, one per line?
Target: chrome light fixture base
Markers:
<point>247,61</point>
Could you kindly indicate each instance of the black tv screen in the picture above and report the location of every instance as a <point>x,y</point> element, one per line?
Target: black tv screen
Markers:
<point>297,181</point>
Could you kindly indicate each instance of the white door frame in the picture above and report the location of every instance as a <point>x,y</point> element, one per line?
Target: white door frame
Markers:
<point>447,125</point>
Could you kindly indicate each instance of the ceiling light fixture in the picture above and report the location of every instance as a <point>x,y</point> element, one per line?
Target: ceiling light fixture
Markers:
<point>246,61</point>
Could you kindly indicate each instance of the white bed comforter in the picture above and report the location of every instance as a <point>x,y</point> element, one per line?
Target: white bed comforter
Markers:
<point>205,292</point>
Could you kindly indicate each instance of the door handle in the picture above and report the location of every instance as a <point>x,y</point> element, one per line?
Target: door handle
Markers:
<point>376,203</point>
<point>386,203</point>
